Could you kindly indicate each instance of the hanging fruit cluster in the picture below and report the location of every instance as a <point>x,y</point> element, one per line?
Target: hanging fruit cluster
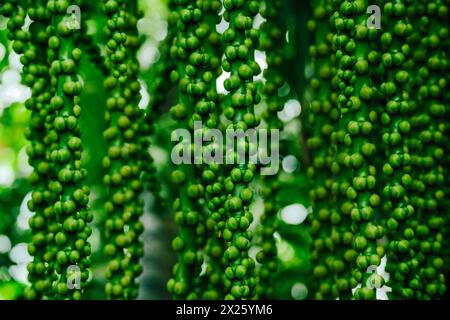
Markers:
<point>372,137</point>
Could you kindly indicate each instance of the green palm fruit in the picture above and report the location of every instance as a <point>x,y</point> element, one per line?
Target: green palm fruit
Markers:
<point>273,43</point>
<point>321,118</point>
<point>397,167</point>
<point>427,143</point>
<point>72,251</point>
<point>35,75</point>
<point>59,198</point>
<point>207,110</point>
<point>193,90</point>
<point>356,137</point>
<point>241,40</point>
<point>125,134</point>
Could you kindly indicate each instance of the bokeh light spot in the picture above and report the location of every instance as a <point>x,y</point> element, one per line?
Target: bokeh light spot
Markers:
<point>5,244</point>
<point>299,291</point>
<point>290,164</point>
<point>294,213</point>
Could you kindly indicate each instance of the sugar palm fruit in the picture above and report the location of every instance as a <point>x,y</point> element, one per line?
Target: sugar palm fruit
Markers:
<point>356,137</point>
<point>125,135</point>
<point>273,43</point>
<point>72,253</point>
<point>397,166</point>
<point>207,110</point>
<point>321,118</point>
<point>193,100</point>
<point>427,142</point>
<point>35,75</point>
<point>241,40</point>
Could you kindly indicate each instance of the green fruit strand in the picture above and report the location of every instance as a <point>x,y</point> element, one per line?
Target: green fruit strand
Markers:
<point>320,124</point>
<point>428,143</point>
<point>401,262</point>
<point>189,214</point>
<point>207,110</point>
<point>124,162</point>
<point>35,75</point>
<point>273,43</point>
<point>446,249</point>
<point>356,148</point>
<point>329,249</point>
<point>241,40</point>
<point>72,213</point>
<point>142,132</point>
<point>268,255</point>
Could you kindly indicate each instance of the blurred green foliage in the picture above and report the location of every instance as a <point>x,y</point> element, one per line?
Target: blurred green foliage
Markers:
<point>10,201</point>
